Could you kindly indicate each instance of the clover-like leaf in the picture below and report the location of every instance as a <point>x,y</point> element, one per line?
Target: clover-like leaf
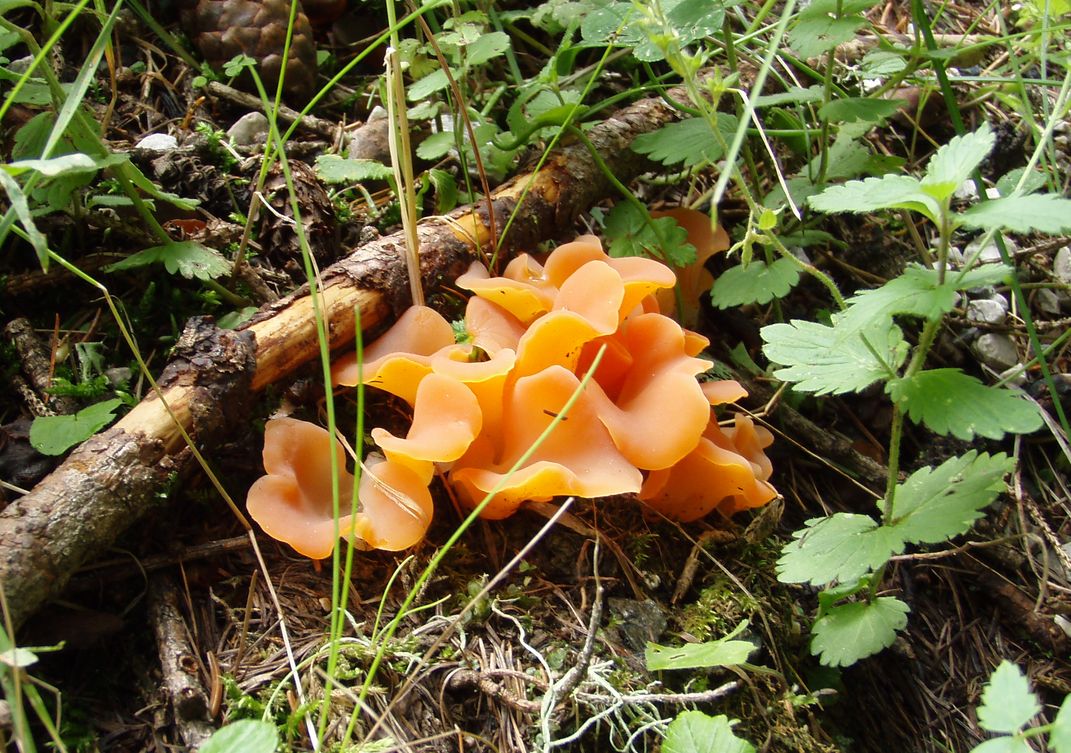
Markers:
<point>951,402</point>
<point>854,631</point>
<point>935,504</point>
<point>817,360</point>
<point>758,282</point>
<point>245,735</point>
<point>842,547</point>
<point>1060,736</point>
<point>1008,703</point>
<point>631,231</point>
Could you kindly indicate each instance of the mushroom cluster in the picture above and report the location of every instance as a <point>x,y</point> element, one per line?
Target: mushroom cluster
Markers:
<point>643,423</point>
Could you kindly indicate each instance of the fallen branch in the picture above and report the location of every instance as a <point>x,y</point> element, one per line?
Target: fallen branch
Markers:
<point>120,475</point>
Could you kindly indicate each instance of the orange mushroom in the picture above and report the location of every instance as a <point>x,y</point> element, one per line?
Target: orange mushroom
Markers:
<point>399,357</point>
<point>293,503</point>
<point>579,456</point>
<point>727,471</point>
<point>446,418</point>
<point>694,279</point>
<point>396,506</point>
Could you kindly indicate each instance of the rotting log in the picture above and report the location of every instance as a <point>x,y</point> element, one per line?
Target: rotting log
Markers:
<point>107,484</point>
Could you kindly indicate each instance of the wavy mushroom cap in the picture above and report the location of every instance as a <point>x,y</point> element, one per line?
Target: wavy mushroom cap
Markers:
<point>396,506</point>
<point>293,503</point>
<point>399,356</point>
<point>579,457</point>
<point>718,474</point>
<point>446,418</point>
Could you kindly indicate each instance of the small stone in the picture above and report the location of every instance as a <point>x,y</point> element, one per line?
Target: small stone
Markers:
<point>966,191</point>
<point>987,310</point>
<point>250,129</point>
<point>1047,301</point>
<point>989,253</point>
<point>1061,265</point>
<point>1015,376</point>
<point>118,375</point>
<point>997,351</point>
<point>157,143</point>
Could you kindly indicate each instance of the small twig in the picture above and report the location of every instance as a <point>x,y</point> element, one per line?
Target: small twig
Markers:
<point>309,122</point>
<point>178,663</point>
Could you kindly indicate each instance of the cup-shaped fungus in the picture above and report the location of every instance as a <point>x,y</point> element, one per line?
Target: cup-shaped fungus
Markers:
<point>643,424</point>
<point>396,506</point>
<point>293,503</point>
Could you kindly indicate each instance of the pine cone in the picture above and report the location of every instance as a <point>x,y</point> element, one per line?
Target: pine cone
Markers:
<point>221,29</point>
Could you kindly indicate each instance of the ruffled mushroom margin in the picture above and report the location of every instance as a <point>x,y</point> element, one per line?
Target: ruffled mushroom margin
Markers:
<point>643,424</point>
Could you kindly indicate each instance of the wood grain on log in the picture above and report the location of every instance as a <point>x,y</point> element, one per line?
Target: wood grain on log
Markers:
<point>114,479</point>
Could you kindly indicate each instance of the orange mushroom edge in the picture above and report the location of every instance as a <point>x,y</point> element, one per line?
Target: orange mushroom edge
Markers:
<point>642,424</point>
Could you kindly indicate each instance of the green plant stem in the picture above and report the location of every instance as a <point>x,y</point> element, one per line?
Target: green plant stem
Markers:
<point>827,94</point>
<point>810,269</point>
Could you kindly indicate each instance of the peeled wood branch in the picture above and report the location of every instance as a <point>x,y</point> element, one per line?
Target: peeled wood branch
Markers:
<point>112,480</point>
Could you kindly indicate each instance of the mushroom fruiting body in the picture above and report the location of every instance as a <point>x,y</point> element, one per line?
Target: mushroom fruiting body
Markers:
<point>642,424</point>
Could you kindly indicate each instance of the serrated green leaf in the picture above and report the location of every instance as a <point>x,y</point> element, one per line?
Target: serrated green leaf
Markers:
<point>188,258</point>
<point>873,194</point>
<point>338,170</point>
<point>882,63</point>
<point>696,732</point>
<point>1008,703</point>
<point>916,292</point>
<point>723,652</point>
<point>631,232</point>
<point>1042,213</point>
<point>486,47</point>
<point>688,141</point>
<point>792,95</point>
<point>1060,736</point>
<point>935,504</point>
<point>1004,744</point>
<point>850,632</point>
<point>842,547</point>
<point>814,34</point>
<point>818,360</point>
<point>54,435</point>
<point>755,283</point>
<point>951,402</point>
<point>955,161</point>
<point>864,109</point>
<point>245,735</point>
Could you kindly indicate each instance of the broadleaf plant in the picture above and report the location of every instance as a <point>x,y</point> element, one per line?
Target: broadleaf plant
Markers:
<point>1009,705</point>
<point>847,554</point>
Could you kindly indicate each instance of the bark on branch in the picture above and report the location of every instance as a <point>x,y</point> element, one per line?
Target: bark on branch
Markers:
<point>112,480</point>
